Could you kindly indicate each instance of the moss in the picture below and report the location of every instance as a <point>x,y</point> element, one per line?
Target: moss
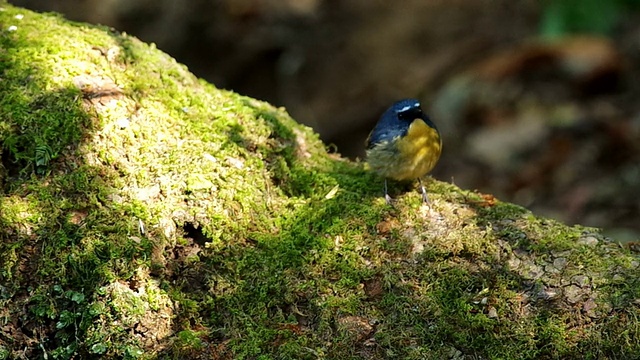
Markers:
<point>146,214</point>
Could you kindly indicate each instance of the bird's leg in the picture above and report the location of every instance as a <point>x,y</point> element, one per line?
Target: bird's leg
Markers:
<point>387,198</point>
<point>425,198</point>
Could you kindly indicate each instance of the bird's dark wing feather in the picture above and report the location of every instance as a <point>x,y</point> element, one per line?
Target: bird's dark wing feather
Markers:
<point>385,133</point>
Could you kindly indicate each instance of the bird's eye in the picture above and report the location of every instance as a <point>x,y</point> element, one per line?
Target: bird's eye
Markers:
<point>410,114</point>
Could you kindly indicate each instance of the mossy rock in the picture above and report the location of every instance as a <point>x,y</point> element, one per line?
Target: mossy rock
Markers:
<point>147,214</point>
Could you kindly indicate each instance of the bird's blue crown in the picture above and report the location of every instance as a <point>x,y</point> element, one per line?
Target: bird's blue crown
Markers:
<point>396,121</point>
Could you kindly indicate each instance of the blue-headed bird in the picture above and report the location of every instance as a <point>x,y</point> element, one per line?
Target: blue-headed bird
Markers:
<point>404,145</point>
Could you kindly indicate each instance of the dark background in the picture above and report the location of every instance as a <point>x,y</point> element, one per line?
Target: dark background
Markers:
<point>536,100</point>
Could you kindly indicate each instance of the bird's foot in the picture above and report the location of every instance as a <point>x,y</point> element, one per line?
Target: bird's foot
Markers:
<point>425,197</point>
<point>388,199</point>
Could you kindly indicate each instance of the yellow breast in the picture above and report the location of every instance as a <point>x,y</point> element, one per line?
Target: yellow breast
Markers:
<point>420,149</point>
<point>409,157</point>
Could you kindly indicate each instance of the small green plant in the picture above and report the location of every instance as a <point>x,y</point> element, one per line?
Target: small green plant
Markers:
<point>188,339</point>
<point>4,353</point>
<point>44,154</point>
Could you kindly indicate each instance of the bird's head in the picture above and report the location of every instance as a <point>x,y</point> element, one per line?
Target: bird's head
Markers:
<point>407,110</point>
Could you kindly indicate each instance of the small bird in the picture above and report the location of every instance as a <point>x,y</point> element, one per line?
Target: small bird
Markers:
<point>404,145</point>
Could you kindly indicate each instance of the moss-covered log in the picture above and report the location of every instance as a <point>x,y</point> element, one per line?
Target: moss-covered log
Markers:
<point>147,214</point>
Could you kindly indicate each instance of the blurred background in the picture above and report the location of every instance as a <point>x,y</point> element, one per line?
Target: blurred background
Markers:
<point>537,101</point>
